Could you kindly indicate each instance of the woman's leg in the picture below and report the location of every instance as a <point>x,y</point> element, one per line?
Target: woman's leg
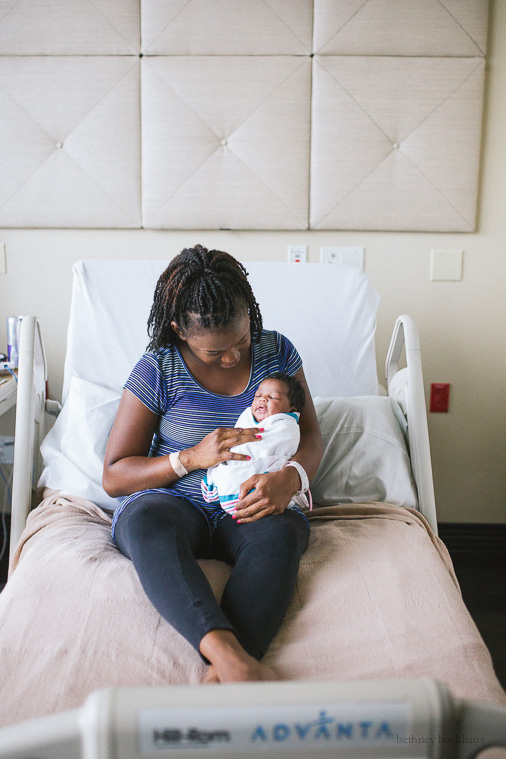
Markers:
<point>164,535</point>
<point>266,556</point>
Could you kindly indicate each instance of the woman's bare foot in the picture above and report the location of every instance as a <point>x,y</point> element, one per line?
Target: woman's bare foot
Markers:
<point>211,676</point>
<point>230,662</point>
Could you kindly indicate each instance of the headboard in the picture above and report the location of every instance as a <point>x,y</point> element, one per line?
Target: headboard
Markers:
<point>327,310</point>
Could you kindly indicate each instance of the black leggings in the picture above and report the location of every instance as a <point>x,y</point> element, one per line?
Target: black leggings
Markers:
<point>164,535</point>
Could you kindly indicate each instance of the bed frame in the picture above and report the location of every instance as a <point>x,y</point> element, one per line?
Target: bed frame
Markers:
<point>377,718</point>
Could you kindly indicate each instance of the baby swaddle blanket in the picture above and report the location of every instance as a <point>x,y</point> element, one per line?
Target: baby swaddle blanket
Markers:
<point>280,440</point>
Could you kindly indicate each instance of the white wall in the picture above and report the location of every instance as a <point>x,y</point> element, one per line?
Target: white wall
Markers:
<point>462,324</point>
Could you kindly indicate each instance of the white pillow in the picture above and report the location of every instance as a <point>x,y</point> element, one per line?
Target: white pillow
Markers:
<point>365,457</point>
<point>73,451</point>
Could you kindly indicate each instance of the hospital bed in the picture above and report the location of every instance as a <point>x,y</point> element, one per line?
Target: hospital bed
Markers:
<point>377,625</point>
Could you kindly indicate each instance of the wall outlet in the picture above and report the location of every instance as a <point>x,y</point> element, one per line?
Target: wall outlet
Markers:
<point>6,450</point>
<point>297,254</point>
<point>439,397</point>
<point>338,254</point>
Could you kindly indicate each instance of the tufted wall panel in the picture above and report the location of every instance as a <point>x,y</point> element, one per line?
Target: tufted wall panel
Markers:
<point>400,27</point>
<point>237,114</point>
<point>69,131</point>
<point>225,142</point>
<point>69,27</point>
<point>227,27</point>
<point>395,142</point>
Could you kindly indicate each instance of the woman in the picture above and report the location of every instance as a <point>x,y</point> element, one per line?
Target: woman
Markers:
<point>207,355</point>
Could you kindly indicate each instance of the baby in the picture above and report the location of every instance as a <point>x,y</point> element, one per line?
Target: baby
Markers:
<point>278,403</point>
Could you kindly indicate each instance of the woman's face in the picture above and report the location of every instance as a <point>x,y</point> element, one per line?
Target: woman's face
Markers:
<point>217,346</point>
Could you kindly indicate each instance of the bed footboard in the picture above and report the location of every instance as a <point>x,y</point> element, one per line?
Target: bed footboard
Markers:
<point>394,718</point>
<point>406,387</point>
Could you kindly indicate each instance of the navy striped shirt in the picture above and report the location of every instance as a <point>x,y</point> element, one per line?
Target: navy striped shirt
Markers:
<point>188,412</point>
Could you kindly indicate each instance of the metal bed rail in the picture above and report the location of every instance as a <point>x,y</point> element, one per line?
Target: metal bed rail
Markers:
<point>406,387</point>
<point>29,429</point>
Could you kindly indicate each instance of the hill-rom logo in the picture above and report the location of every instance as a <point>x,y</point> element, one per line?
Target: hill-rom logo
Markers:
<point>174,737</point>
<point>281,728</point>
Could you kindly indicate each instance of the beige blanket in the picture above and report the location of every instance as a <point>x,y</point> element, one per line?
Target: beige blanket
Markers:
<point>376,597</point>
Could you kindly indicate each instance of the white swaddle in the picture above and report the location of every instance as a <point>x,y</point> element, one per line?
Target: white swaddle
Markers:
<point>280,440</point>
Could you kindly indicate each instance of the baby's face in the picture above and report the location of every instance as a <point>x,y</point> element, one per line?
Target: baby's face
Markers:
<point>270,398</point>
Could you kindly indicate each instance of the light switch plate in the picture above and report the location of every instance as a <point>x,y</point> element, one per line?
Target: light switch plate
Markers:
<point>3,259</point>
<point>446,265</point>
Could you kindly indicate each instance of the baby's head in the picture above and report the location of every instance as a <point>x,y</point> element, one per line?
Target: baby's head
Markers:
<point>278,393</point>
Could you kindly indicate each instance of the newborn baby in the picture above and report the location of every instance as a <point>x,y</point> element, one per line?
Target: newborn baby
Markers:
<point>278,403</point>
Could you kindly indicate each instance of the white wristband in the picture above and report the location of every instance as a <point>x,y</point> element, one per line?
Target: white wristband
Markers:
<point>304,481</point>
<point>176,464</point>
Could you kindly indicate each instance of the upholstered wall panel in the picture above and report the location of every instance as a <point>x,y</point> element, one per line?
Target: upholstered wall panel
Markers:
<point>400,27</point>
<point>69,27</point>
<point>395,143</point>
<point>225,142</point>
<point>378,101</point>
<point>227,27</point>
<point>69,142</point>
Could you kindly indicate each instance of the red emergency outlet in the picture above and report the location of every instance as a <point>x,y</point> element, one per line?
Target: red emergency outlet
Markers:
<point>439,397</point>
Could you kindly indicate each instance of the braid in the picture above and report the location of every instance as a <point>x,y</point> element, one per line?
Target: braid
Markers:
<point>209,283</point>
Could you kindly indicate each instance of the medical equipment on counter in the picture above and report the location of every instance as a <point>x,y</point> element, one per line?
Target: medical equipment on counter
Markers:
<point>13,327</point>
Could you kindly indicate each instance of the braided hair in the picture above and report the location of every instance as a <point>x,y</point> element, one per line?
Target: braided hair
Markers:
<point>208,283</point>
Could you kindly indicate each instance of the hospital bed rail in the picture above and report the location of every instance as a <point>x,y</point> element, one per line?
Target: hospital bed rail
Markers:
<point>362,718</point>
<point>406,387</point>
<point>30,418</point>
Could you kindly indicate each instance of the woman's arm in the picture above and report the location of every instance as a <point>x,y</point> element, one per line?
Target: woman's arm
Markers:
<point>127,467</point>
<point>310,450</point>
<point>272,492</point>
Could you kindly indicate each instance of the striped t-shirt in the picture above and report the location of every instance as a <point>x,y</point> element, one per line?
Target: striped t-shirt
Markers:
<point>188,412</point>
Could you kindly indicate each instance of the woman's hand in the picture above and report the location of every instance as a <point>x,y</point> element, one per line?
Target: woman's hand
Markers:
<point>264,494</point>
<point>127,466</point>
<point>215,447</point>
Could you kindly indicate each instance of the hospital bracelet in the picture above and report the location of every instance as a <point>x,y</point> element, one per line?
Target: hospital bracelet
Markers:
<point>304,481</point>
<point>176,464</point>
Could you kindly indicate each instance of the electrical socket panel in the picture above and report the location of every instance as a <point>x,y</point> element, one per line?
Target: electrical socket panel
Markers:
<point>342,254</point>
<point>439,397</point>
<point>297,254</point>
